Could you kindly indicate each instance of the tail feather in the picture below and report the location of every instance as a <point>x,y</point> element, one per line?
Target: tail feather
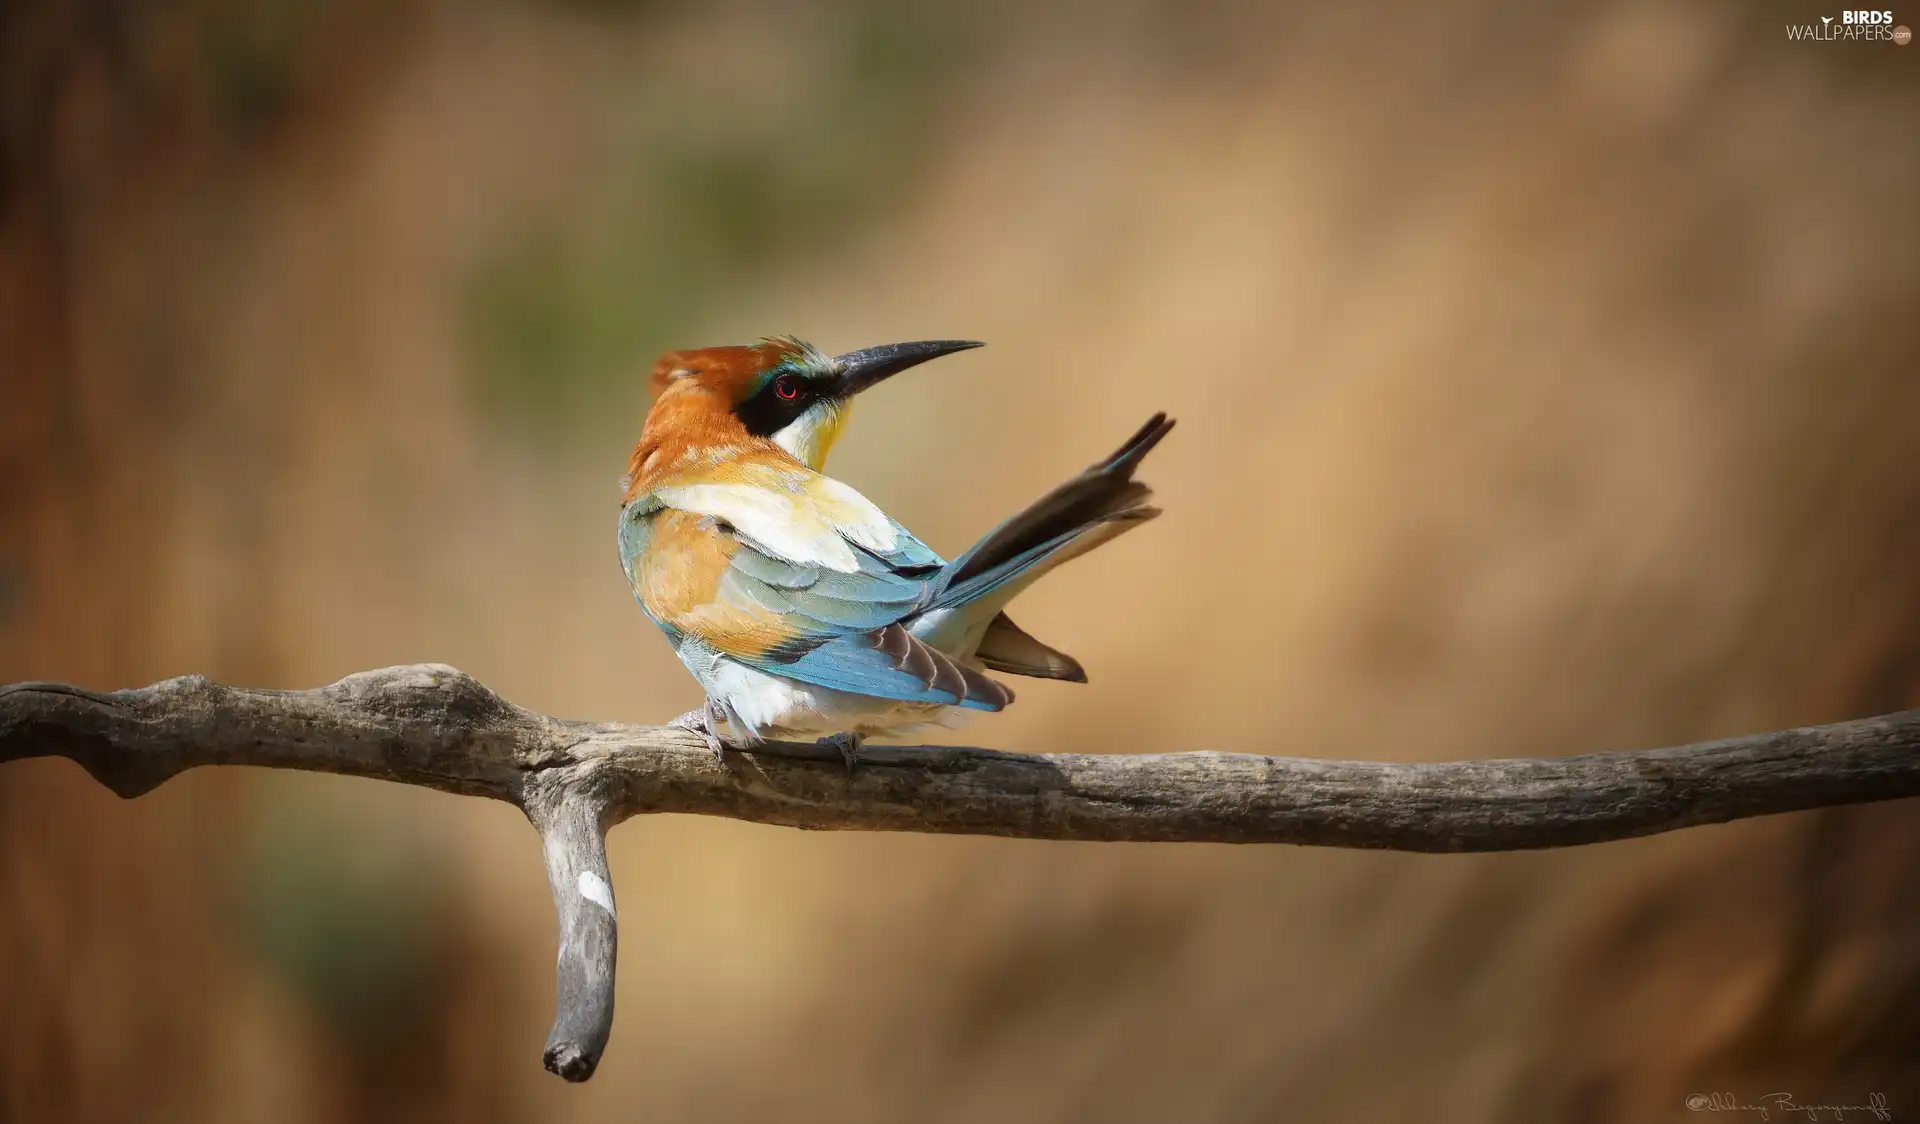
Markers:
<point>1106,489</point>
<point>993,588</point>
<point>1006,647</point>
<point>963,615</point>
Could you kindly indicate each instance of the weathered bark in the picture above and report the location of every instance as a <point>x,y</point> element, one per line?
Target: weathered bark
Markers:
<point>433,726</point>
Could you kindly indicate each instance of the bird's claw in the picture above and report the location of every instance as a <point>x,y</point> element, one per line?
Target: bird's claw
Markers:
<point>848,744</point>
<point>700,721</point>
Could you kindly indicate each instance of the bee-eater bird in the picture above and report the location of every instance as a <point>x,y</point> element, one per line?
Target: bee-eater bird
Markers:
<point>802,608</point>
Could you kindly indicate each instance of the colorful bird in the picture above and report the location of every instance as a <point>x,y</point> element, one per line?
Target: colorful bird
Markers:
<point>802,608</point>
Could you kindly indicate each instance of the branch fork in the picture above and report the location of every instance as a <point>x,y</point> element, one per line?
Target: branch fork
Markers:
<point>433,726</point>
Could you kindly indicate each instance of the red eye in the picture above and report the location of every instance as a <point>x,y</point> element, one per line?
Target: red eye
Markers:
<point>787,387</point>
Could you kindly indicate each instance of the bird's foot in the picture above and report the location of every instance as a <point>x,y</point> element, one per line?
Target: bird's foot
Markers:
<point>701,721</point>
<point>848,744</point>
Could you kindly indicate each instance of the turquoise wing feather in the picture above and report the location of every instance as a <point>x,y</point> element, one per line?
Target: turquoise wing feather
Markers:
<point>849,635</point>
<point>831,628</point>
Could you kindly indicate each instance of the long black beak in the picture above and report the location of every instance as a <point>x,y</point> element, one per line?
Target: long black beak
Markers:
<point>859,370</point>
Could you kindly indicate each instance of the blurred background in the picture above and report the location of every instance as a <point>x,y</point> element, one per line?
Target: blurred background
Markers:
<point>1548,381</point>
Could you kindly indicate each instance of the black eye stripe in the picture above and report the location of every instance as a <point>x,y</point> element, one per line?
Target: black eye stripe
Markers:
<point>781,399</point>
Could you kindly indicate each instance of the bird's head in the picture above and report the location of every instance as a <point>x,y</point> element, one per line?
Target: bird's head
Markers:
<point>786,390</point>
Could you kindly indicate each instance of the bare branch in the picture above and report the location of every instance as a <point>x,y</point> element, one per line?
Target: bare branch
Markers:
<point>572,820</point>
<point>432,726</point>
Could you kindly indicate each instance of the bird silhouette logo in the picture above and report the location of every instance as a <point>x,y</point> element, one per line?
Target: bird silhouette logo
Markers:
<point>1826,19</point>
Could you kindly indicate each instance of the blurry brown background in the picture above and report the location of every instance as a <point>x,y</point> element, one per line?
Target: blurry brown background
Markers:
<point>1548,379</point>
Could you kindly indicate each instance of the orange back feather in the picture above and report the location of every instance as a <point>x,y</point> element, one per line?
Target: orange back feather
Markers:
<point>679,581</point>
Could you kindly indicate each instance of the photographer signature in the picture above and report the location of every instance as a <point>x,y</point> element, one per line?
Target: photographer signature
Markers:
<point>1788,1106</point>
